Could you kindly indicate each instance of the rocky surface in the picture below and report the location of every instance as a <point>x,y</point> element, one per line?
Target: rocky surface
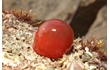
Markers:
<point>17,52</point>
<point>61,9</point>
<point>84,59</point>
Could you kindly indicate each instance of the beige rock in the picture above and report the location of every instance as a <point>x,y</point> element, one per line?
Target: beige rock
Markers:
<point>44,9</point>
<point>86,2</point>
<point>99,27</point>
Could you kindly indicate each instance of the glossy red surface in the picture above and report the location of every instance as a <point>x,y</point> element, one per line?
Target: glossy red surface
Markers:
<point>53,38</point>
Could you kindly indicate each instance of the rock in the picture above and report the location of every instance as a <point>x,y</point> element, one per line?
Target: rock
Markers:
<point>99,27</point>
<point>44,9</point>
<point>61,9</point>
<point>18,54</point>
<point>86,2</point>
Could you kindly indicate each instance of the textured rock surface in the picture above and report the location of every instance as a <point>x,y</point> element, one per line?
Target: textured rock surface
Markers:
<point>17,53</point>
<point>61,9</point>
<point>41,9</point>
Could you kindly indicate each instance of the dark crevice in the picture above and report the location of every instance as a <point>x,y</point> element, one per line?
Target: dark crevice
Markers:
<point>85,16</point>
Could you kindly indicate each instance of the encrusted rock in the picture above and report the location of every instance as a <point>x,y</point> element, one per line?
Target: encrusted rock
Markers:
<point>17,52</point>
